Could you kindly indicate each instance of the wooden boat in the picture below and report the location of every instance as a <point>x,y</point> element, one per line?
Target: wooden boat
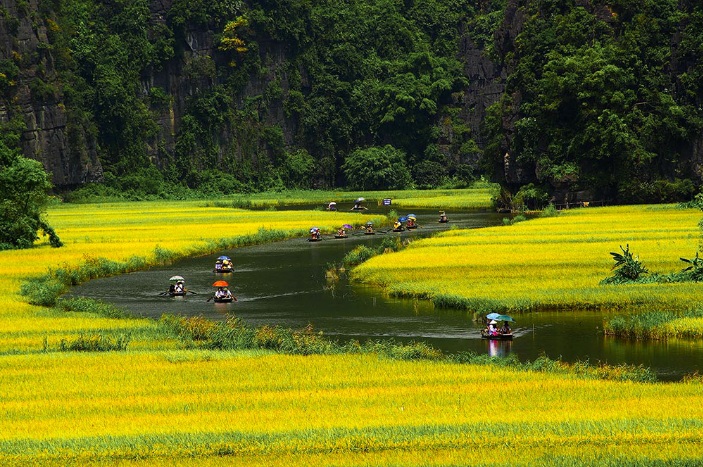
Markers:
<point>341,236</point>
<point>223,299</point>
<point>224,269</point>
<point>499,337</point>
<point>370,232</point>
<point>314,239</point>
<point>410,227</point>
<point>177,294</point>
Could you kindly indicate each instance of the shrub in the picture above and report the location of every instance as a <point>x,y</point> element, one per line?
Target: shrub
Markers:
<point>95,343</point>
<point>627,267</point>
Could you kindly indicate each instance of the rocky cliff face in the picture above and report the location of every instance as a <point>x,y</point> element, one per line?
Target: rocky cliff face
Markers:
<point>33,95</point>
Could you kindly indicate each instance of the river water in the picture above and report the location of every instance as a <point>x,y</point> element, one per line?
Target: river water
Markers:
<point>284,284</point>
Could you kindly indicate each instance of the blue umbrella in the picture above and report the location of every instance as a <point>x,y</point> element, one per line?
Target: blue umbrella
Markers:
<point>403,219</point>
<point>222,258</point>
<point>493,316</point>
<point>504,318</point>
<point>412,215</point>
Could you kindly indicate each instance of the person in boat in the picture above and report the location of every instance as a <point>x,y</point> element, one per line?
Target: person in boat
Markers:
<point>505,328</point>
<point>492,329</point>
<point>172,289</point>
<point>397,226</point>
<point>223,293</point>
<point>443,217</point>
<point>226,265</point>
<point>218,265</point>
<point>411,223</point>
<point>341,232</point>
<point>179,288</point>
<point>369,228</point>
<point>315,234</point>
<point>332,206</point>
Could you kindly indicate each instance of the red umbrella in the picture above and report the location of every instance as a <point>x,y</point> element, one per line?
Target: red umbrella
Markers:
<point>220,284</point>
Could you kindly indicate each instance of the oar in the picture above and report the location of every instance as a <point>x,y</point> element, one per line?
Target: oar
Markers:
<point>209,299</point>
<point>190,291</point>
<point>163,293</point>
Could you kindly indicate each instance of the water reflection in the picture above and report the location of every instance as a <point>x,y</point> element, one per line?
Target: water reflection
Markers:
<point>499,348</point>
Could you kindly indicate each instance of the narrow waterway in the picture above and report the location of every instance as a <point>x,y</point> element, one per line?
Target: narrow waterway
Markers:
<point>284,284</point>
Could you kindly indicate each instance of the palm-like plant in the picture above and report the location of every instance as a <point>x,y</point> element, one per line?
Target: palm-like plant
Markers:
<point>695,267</point>
<point>628,268</point>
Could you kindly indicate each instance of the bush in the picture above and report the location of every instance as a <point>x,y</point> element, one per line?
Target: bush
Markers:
<point>377,168</point>
<point>627,267</point>
<point>95,343</point>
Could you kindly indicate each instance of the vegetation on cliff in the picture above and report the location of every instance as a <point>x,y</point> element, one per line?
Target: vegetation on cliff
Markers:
<point>597,97</point>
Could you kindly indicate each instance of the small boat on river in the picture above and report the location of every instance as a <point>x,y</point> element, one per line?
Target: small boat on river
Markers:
<point>411,222</point>
<point>491,330</point>
<point>315,235</point>
<point>177,287</point>
<point>499,337</point>
<point>222,294</point>
<point>223,264</point>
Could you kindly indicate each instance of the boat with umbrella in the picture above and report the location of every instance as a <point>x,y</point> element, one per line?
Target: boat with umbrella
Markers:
<point>342,232</point>
<point>222,294</point>
<point>177,287</point>
<point>411,222</point>
<point>315,235</point>
<point>359,205</point>
<point>493,332</point>
<point>223,264</point>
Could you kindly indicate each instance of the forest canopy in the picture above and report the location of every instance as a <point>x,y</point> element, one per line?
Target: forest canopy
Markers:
<point>577,99</point>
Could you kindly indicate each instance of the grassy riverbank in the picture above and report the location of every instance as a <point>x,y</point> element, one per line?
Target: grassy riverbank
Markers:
<point>165,401</point>
<point>553,262</point>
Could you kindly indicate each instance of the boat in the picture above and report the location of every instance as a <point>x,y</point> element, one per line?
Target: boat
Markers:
<point>315,235</point>
<point>412,222</point>
<point>224,264</point>
<point>341,236</point>
<point>223,299</point>
<point>496,337</point>
<point>492,319</point>
<point>443,217</point>
<point>359,205</point>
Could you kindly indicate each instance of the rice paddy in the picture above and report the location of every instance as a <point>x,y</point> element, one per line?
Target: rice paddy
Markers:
<point>556,262</point>
<point>160,402</point>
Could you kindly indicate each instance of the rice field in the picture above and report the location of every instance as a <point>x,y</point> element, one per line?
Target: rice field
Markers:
<point>555,262</point>
<point>162,403</point>
<point>204,408</point>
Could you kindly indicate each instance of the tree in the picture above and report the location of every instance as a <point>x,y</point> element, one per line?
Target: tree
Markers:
<point>377,168</point>
<point>23,195</point>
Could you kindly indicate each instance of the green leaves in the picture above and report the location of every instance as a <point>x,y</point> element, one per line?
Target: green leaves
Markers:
<point>627,267</point>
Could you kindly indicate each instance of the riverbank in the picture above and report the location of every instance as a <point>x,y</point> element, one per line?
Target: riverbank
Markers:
<point>158,403</point>
<point>548,263</point>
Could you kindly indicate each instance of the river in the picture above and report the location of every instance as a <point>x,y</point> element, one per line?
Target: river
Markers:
<point>284,284</point>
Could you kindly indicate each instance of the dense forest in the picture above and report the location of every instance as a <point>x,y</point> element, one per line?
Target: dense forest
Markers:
<point>557,100</point>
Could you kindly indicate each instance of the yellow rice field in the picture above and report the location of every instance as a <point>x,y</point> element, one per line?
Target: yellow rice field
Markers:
<point>196,408</point>
<point>553,262</point>
<point>158,404</point>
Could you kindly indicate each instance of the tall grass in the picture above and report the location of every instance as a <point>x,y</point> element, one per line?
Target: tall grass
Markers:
<point>203,406</point>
